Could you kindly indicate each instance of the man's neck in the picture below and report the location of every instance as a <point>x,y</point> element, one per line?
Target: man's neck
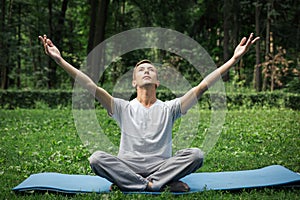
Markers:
<point>146,96</point>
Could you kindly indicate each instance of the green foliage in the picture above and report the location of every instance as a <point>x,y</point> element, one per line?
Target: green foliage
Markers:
<point>12,99</point>
<point>24,65</point>
<point>294,85</point>
<point>34,99</point>
<point>267,100</point>
<point>34,141</point>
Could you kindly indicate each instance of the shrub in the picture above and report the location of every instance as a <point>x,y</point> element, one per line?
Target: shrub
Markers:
<point>11,99</point>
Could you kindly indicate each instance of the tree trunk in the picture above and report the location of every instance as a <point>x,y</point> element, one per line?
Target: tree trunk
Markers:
<point>257,70</point>
<point>6,29</point>
<point>236,20</point>
<point>19,44</point>
<point>267,53</point>
<point>3,62</point>
<point>235,32</point>
<point>93,15</point>
<point>56,35</point>
<point>273,67</point>
<point>99,10</point>
<point>226,27</point>
<point>61,21</point>
<point>51,66</point>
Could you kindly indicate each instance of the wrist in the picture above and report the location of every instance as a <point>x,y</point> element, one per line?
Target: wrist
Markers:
<point>59,60</point>
<point>234,60</point>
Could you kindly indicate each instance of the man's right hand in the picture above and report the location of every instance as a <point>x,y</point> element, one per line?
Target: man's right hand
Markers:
<point>50,48</point>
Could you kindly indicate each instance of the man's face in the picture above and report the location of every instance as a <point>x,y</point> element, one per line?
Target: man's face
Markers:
<point>145,74</point>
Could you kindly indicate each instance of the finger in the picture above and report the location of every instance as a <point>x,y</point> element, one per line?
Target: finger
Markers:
<point>255,39</point>
<point>42,40</point>
<point>243,41</point>
<point>49,43</point>
<point>249,39</point>
<point>44,44</point>
<point>45,39</point>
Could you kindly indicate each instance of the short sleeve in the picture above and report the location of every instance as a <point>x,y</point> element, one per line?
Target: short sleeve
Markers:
<point>118,108</point>
<point>175,106</point>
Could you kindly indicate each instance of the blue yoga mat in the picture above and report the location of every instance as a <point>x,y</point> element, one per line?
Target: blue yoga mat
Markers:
<point>274,175</point>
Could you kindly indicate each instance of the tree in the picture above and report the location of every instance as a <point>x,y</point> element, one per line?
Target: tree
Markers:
<point>231,26</point>
<point>226,28</point>
<point>257,68</point>
<point>56,34</point>
<point>3,61</point>
<point>217,27</point>
<point>98,18</point>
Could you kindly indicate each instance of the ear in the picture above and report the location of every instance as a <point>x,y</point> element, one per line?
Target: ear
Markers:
<point>134,83</point>
<point>157,84</point>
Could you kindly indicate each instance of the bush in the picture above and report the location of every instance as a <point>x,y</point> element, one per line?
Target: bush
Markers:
<point>11,99</point>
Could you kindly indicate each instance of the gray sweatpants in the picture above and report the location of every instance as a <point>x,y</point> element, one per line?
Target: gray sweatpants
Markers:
<point>130,176</point>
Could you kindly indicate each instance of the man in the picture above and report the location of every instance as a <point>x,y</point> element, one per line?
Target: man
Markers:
<point>145,160</point>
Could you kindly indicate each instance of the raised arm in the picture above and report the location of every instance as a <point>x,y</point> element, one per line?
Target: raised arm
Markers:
<point>191,97</point>
<point>100,94</point>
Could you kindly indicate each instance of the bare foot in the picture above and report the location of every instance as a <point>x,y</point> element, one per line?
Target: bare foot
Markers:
<point>113,187</point>
<point>149,186</point>
<point>177,186</point>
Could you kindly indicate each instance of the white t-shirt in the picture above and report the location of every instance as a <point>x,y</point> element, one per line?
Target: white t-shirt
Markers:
<point>146,133</point>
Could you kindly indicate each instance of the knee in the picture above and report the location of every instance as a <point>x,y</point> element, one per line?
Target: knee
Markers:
<point>96,157</point>
<point>197,156</point>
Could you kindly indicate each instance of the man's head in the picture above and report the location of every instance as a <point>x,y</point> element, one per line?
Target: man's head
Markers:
<point>144,73</point>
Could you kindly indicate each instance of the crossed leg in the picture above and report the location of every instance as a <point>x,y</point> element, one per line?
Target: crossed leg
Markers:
<point>127,176</point>
<point>184,162</point>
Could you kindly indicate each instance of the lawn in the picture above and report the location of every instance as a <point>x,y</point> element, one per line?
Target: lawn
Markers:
<point>45,140</point>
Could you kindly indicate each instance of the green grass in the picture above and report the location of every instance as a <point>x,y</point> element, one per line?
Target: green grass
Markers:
<point>34,141</point>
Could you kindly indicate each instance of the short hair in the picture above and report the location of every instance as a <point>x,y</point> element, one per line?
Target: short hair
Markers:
<point>138,64</point>
<point>142,62</point>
